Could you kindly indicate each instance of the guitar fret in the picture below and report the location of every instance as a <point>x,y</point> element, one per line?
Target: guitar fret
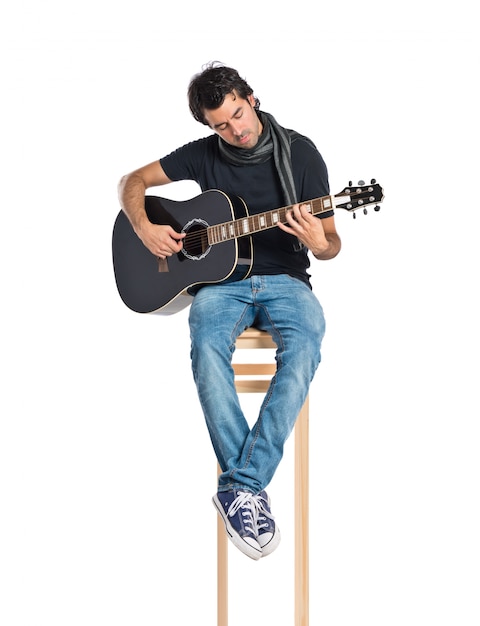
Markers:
<point>255,223</point>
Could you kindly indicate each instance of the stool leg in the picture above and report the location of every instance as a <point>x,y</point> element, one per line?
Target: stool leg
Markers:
<point>222,570</point>
<point>301,518</point>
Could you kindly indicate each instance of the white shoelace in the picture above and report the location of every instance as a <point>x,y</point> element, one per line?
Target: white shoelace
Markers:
<point>253,511</point>
<point>261,513</point>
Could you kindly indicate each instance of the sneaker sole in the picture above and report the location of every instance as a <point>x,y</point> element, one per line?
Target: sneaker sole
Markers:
<point>238,542</point>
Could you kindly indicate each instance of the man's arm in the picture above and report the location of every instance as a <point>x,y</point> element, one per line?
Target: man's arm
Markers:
<point>318,235</point>
<point>161,240</point>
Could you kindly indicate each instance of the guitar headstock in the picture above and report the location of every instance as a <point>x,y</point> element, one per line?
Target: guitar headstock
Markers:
<point>359,196</point>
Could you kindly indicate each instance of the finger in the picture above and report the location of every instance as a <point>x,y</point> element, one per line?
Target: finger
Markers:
<point>305,211</point>
<point>292,215</point>
<point>176,236</point>
<point>299,213</point>
<point>296,219</point>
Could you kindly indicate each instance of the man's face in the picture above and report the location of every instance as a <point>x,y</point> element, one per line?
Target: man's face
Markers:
<point>236,121</point>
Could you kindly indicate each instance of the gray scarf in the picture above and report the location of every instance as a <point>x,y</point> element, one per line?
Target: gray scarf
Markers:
<point>274,140</point>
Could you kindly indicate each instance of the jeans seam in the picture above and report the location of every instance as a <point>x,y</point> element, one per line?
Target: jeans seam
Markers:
<point>237,329</point>
<point>278,359</point>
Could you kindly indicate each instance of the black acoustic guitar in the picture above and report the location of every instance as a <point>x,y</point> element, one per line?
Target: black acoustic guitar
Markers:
<point>215,224</point>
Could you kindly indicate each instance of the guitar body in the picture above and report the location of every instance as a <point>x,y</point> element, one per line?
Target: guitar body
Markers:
<point>148,285</point>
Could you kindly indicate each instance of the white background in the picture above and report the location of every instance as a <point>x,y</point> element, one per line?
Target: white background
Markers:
<point>106,467</point>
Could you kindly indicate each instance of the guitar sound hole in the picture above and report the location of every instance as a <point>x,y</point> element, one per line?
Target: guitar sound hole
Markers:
<point>195,244</point>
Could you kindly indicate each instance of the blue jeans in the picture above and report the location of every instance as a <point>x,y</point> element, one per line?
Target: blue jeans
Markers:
<point>286,308</point>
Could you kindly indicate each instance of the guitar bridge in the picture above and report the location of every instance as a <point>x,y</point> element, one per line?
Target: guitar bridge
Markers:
<point>162,265</point>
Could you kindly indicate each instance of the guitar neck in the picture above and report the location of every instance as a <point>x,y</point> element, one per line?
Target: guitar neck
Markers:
<point>263,221</point>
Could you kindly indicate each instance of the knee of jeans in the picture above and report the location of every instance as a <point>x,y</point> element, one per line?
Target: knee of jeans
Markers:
<point>304,355</point>
<point>317,334</point>
<point>212,350</point>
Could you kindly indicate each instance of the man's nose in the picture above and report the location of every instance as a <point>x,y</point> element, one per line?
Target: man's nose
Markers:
<point>236,128</point>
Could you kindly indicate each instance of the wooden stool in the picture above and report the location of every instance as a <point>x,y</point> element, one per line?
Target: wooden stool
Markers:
<point>257,339</point>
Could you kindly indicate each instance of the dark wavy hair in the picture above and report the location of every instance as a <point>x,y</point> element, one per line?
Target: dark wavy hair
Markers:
<point>207,90</point>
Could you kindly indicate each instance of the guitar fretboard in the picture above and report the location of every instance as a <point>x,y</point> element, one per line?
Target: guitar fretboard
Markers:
<point>262,221</point>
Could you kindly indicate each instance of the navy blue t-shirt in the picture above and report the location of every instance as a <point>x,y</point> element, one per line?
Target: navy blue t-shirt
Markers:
<point>275,252</point>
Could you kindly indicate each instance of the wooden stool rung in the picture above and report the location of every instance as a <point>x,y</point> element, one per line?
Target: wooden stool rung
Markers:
<point>254,369</point>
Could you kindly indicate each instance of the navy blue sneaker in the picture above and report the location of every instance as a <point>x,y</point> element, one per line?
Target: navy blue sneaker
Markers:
<point>268,534</point>
<point>239,512</point>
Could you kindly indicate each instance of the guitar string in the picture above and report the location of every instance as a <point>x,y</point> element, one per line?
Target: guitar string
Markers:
<point>196,237</point>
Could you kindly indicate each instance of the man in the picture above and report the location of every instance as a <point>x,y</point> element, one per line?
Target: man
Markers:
<point>248,155</point>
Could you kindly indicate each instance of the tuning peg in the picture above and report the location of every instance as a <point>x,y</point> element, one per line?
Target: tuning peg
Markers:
<point>365,211</point>
<point>373,181</point>
<point>350,183</point>
<point>376,208</point>
<point>361,183</point>
<point>354,216</point>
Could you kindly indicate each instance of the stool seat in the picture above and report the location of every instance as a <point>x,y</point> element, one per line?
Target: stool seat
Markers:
<point>256,379</point>
<point>255,338</point>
